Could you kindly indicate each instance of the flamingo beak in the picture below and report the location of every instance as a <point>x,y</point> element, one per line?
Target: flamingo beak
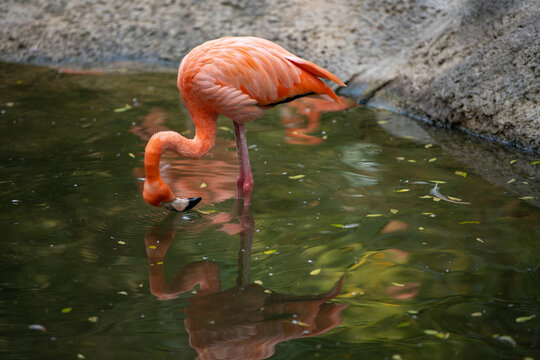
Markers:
<point>179,204</point>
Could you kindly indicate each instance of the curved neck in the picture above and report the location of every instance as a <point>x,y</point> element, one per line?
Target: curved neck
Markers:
<point>155,189</point>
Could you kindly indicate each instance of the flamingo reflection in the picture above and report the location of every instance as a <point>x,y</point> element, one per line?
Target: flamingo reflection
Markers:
<point>247,320</point>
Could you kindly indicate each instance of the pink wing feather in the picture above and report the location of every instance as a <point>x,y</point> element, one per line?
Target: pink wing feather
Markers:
<point>240,77</point>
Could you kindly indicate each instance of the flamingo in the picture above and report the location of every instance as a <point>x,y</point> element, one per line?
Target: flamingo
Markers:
<point>238,77</point>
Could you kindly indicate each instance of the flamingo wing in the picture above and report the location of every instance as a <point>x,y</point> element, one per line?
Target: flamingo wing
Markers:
<point>240,77</point>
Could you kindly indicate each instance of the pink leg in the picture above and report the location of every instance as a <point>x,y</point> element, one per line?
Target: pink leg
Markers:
<point>245,178</point>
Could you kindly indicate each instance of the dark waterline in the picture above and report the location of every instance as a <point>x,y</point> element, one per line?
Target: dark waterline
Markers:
<point>88,270</point>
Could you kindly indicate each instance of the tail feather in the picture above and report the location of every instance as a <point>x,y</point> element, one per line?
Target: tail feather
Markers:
<point>315,70</point>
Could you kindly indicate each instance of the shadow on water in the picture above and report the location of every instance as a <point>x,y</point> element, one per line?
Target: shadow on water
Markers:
<point>435,232</point>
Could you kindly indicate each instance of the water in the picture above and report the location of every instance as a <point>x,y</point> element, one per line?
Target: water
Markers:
<point>89,271</point>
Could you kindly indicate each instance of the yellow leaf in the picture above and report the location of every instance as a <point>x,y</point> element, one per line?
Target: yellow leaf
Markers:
<point>93,319</point>
<point>203,185</point>
<point>394,211</point>
<point>66,310</point>
<point>510,181</point>
<point>436,199</point>
<point>428,213</point>
<point>153,247</point>
<point>258,282</point>
<point>512,161</point>
<point>432,159</point>
<point>469,222</point>
<point>315,272</point>
<point>400,158</point>
<point>411,161</point>
<point>461,173</point>
<point>374,215</point>
<point>122,242</point>
<point>535,162</point>
<point>224,128</point>
<point>420,228</point>
<point>454,198</point>
<point>325,137</point>
<point>438,181</point>
<point>296,177</point>
<point>131,154</point>
<point>523,319</point>
<point>268,252</point>
<point>125,108</point>
<point>526,198</point>
<point>425,197</point>
<point>160,263</point>
<point>428,146</point>
<point>403,190</point>
<point>398,284</point>
<point>381,122</point>
<point>479,240</point>
<point>122,293</point>
<point>185,132</point>
<point>337,225</point>
<point>267,291</point>
<point>476,314</point>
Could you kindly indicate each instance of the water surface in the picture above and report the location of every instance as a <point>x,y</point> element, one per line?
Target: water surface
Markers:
<point>89,271</point>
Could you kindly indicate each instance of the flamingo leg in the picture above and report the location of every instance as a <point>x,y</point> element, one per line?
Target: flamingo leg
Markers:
<point>245,178</point>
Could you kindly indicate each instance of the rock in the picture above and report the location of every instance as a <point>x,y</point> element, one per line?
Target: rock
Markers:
<point>470,64</point>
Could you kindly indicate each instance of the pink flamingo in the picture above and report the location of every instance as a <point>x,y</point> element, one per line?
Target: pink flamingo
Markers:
<point>238,77</point>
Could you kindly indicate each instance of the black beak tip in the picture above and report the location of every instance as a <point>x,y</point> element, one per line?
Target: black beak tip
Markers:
<point>192,202</point>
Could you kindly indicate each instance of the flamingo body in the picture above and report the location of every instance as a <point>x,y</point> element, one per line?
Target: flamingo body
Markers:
<point>238,77</point>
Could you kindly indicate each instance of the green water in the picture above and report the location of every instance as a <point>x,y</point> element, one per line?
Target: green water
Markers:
<point>83,270</point>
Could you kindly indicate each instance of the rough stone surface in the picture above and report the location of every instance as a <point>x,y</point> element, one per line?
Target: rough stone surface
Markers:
<point>472,64</point>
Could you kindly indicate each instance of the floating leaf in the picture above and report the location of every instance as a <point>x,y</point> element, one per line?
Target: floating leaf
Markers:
<point>224,128</point>
<point>121,242</point>
<point>523,319</point>
<point>480,240</point>
<point>411,161</point>
<point>476,314</point>
<point>122,293</point>
<point>425,197</point>
<point>526,197</point>
<point>337,225</point>
<point>461,173</point>
<point>203,185</point>
<point>436,199</point>
<point>427,146</point>
<point>403,324</point>
<point>186,132</point>
<point>413,312</point>
<point>420,228</point>
<point>37,327</point>
<point>505,338</point>
<point>510,181</point>
<point>258,282</point>
<point>93,319</point>
<point>315,272</point>
<point>512,161</point>
<point>160,263</point>
<point>374,215</point>
<point>268,252</point>
<point>267,291</point>
<point>66,310</point>
<point>125,108</point>
<point>400,158</point>
<point>432,159</point>
<point>80,356</point>
<point>453,198</point>
<point>403,190</point>
<point>296,177</point>
<point>153,247</point>
<point>535,162</point>
<point>394,211</point>
<point>382,122</point>
<point>325,137</point>
<point>428,214</point>
<point>206,212</point>
<point>438,181</point>
<point>469,222</point>
<point>398,284</point>
<point>431,332</point>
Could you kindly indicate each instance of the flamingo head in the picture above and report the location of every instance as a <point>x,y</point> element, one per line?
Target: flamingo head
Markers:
<point>158,193</point>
